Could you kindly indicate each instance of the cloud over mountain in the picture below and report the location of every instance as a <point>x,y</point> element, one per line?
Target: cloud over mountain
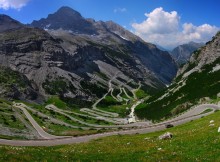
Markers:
<point>14,4</point>
<point>164,28</point>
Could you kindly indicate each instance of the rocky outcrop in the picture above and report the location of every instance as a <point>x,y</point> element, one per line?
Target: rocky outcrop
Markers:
<point>208,54</point>
<point>14,85</point>
<point>166,136</point>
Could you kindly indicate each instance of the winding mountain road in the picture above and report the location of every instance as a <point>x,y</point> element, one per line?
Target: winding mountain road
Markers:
<point>36,126</point>
<point>192,114</point>
<point>106,113</point>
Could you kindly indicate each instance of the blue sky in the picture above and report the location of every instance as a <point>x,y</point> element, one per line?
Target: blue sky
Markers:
<point>156,21</point>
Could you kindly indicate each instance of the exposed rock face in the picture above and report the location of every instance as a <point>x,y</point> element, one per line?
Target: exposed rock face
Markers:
<point>182,53</point>
<point>14,85</point>
<point>76,57</point>
<point>208,54</point>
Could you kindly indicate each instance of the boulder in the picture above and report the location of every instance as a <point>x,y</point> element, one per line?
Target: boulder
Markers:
<point>166,135</point>
<point>211,121</point>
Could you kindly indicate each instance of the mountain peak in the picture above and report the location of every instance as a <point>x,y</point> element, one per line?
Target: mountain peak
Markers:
<point>65,18</point>
<point>68,12</point>
<point>65,14</point>
<point>7,23</point>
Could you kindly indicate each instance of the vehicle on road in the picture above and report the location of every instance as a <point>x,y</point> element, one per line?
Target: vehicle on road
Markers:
<point>169,125</point>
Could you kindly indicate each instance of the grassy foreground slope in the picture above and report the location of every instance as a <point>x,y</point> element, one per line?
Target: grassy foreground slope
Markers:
<point>194,141</point>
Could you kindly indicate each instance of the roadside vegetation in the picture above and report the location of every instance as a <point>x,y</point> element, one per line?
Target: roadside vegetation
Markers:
<point>141,94</point>
<point>62,130</point>
<point>112,105</point>
<point>8,118</point>
<point>207,111</point>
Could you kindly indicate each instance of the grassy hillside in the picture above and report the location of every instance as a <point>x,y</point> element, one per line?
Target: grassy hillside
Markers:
<point>181,96</point>
<point>202,146</point>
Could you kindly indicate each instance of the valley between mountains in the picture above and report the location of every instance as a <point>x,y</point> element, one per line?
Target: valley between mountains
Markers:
<point>64,82</point>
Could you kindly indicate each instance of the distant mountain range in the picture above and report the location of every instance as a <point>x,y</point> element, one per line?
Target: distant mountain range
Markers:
<point>182,53</point>
<point>73,57</point>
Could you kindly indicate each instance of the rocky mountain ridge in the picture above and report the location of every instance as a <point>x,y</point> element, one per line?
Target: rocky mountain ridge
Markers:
<point>206,55</point>
<point>112,35</point>
<point>6,23</point>
<point>77,61</point>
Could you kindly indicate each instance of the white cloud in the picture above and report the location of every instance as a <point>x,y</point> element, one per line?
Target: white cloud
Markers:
<point>165,29</point>
<point>117,10</point>
<point>14,4</point>
<point>155,22</point>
